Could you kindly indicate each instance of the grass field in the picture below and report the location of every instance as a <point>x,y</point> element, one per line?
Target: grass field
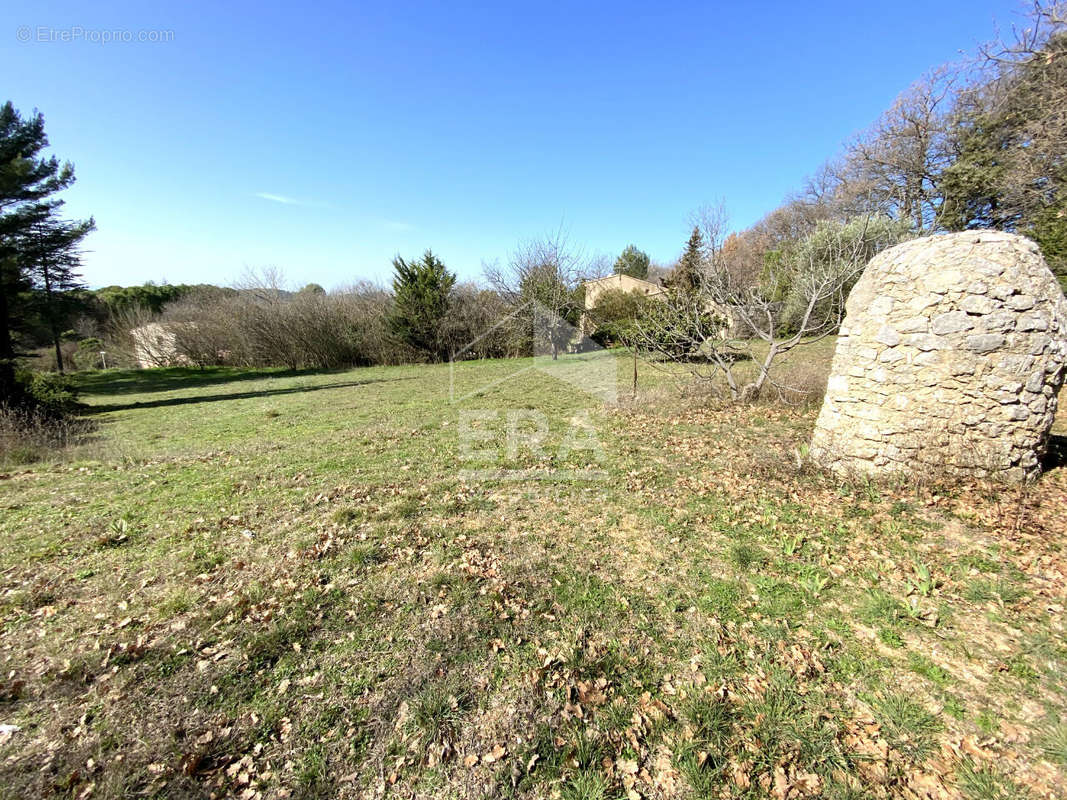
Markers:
<point>386,583</point>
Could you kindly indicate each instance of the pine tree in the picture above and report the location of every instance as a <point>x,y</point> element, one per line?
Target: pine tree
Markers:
<point>421,292</point>
<point>28,185</point>
<point>49,250</point>
<point>686,276</point>
<point>633,262</point>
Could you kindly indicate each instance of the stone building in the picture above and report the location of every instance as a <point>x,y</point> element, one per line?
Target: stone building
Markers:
<point>620,283</point>
<point>626,283</point>
<point>156,345</point>
<point>950,359</point>
<point>623,283</point>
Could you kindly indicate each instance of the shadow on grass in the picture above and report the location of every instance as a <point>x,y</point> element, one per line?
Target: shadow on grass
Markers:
<point>212,398</point>
<point>1056,454</point>
<point>166,379</point>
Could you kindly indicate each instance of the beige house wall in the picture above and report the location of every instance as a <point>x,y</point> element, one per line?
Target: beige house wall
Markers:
<point>625,283</point>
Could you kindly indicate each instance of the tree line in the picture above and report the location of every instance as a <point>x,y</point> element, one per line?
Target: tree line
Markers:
<point>977,144</point>
<point>534,300</point>
<point>981,143</point>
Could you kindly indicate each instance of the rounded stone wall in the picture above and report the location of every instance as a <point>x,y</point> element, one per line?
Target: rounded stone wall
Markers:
<point>950,359</point>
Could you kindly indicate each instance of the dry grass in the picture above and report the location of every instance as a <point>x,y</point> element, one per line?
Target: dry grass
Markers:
<point>797,378</point>
<point>27,438</point>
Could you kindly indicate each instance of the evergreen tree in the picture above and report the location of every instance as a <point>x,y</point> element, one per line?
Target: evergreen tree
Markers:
<point>421,292</point>
<point>151,296</point>
<point>988,185</point>
<point>49,251</point>
<point>687,275</point>
<point>971,185</point>
<point>633,262</point>
<point>1009,166</point>
<point>28,185</point>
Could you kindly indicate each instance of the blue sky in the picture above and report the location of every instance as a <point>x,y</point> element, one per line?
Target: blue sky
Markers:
<point>325,140</point>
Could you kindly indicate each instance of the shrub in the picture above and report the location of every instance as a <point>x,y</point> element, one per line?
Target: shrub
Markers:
<point>839,249</point>
<point>87,354</point>
<point>119,341</point>
<point>479,324</point>
<point>798,382</point>
<point>265,327</point>
<point>47,394</point>
<point>615,315</point>
<point>347,328</point>
<point>42,422</point>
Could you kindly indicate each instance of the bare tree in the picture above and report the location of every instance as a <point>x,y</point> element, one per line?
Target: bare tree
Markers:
<point>123,345</point>
<point>713,221</point>
<point>746,255</point>
<point>734,321</point>
<point>478,325</point>
<point>261,326</point>
<point>894,167</point>
<point>657,271</point>
<point>541,283</point>
<point>266,282</point>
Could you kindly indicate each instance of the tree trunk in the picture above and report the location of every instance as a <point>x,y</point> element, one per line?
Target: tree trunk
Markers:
<point>635,372</point>
<point>59,350</point>
<point>50,311</point>
<point>8,391</point>
<point>752,391</point>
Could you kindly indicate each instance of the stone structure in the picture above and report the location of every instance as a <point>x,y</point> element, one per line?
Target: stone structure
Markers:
<point>950,359</point>
<point>156,345</point>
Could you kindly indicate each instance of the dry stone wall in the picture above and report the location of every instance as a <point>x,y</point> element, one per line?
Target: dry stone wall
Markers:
<point>950,359</point>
